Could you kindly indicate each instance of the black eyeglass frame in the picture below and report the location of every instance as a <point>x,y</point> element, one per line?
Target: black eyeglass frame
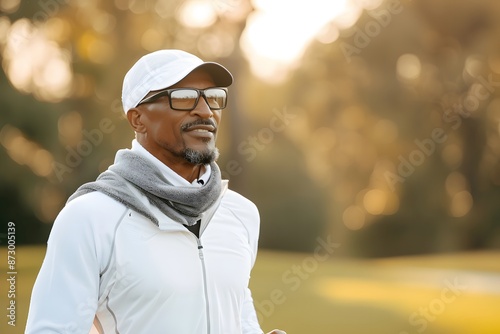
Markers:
<point>168,93</point>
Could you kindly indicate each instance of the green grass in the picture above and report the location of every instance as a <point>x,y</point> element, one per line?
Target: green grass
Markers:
<point>379,296</point>
<point>303,293</point>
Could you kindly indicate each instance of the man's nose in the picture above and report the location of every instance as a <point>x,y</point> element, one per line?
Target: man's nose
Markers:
<point>202,109</point>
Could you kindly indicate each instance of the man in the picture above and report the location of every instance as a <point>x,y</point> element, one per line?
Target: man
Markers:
<point>158,243</point>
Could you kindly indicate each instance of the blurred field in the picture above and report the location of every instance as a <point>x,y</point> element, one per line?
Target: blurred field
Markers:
<point>306,293</point>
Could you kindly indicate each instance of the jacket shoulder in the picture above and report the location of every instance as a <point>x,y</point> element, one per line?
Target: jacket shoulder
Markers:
<point>94,204</point>
<point>237,202</point>
<point>246,212</point>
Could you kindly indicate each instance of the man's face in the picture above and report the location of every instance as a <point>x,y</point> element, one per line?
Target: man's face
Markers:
<point>175,136</point>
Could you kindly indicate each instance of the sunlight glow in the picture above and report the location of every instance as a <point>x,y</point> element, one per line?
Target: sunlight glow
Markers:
<point>278,32</point>
<point>197,14</point>
<point>48,75</point>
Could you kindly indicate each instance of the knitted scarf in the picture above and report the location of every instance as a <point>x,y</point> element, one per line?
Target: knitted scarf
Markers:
<point>183,204</point>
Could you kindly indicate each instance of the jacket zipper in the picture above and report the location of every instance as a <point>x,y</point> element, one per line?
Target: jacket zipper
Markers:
<point>200,253</point>
<point>202,259</point>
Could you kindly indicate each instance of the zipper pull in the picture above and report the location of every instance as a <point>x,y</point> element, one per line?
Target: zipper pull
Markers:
<point>200,251</point>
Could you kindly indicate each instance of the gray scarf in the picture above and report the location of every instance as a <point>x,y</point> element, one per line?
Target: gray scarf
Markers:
<point>182,204</point>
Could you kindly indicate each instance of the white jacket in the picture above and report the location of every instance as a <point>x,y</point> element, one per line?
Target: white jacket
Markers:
<point>109,265</point>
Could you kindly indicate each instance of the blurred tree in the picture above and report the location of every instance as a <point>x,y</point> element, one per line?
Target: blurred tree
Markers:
<point>400,118</point>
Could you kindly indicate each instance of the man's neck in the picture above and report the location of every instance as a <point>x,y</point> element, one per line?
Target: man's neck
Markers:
<point>190,172</point>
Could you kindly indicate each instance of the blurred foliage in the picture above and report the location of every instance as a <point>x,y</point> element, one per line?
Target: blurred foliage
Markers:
<point>386,138</point>
<point>400,123</point>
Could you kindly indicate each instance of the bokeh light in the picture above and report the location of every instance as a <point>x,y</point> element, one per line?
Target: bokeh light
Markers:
<point>197,14</point>
<point>26,152</point>
<point>409,67</point>
<point>48,75</point>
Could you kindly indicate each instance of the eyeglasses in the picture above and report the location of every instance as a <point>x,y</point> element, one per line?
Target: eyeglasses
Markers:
<point>186,99</point>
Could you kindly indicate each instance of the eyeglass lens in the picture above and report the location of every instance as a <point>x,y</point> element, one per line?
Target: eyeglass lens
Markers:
<point>185,99</point>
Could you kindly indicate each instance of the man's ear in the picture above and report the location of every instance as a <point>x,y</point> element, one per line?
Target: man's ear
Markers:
<point>134,118</point>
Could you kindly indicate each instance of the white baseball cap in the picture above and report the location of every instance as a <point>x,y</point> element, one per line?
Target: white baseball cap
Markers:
<point>162,69</point>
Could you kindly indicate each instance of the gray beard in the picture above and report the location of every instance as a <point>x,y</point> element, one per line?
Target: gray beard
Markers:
<point>200,158</point>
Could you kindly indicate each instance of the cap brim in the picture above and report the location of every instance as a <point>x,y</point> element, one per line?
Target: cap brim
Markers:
<point>221,76</point>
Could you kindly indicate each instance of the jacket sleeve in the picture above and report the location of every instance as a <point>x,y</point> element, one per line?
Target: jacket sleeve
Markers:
<point>65,294</point>
<point>249,320</point>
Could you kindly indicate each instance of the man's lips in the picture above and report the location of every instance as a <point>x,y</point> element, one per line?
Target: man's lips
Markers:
<point>202,126</point>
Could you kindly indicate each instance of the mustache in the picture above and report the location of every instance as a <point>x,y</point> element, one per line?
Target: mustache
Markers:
<point>210,122</point>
